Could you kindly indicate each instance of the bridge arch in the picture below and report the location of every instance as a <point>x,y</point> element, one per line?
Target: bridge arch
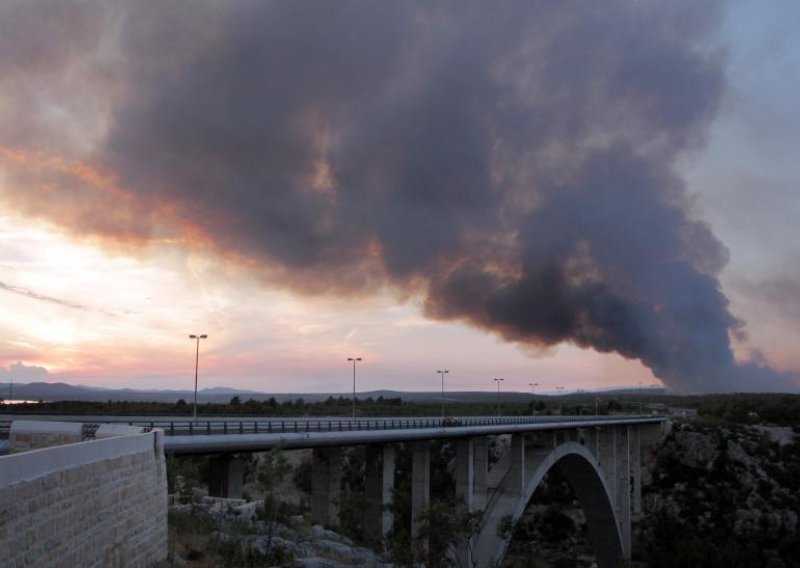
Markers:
<point>586,478</point>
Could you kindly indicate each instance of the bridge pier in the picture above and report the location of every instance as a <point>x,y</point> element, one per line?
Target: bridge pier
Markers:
<point>623,490</point>
<point>570,435</point>
<point>480,452</point>
<point>326,483</point>
<point>420,484</point>
<point>226,477</point>
<point>465,485</point>
<point>593,441</point>
<point>516,480</point>
<point>378,485</point>
<point>615,463</point>
<point>608,459</point>
<point>465,472</point>
<point>636,471</point>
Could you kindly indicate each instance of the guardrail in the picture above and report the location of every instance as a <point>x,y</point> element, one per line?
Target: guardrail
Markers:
<point>296,425</point>
<point>209,427</point>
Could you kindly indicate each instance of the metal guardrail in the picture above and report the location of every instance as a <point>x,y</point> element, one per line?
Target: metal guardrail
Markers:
<point>203,436</point>
<point>209,427</point>
<point>296,425</point>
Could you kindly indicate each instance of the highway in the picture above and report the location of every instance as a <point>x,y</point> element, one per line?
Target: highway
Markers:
<point>235,434</point>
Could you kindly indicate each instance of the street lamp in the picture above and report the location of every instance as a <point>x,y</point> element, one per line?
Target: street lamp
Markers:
<point>560,391</point>
<point>498,381</point>
<point>197,338</point>
<point>354,359</point>
<point>442,373</point>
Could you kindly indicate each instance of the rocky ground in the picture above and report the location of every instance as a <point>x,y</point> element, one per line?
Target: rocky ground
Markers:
<point>233,532</point>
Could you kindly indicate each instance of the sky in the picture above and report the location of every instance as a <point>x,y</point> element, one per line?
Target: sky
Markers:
<point>558,194</point>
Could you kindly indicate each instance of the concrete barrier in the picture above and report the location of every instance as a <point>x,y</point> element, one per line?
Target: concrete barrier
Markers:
<point>28,435</point>
<point>112,430</point>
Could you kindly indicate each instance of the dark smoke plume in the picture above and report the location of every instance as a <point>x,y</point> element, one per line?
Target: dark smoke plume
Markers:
<point>512,162</point>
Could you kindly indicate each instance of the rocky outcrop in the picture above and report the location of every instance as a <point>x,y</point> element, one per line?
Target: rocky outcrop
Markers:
<point>289,542</point>
<point>719,492</point>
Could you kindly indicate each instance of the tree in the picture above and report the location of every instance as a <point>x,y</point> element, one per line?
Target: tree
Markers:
<point>443,528</point>
<point>272,469</point>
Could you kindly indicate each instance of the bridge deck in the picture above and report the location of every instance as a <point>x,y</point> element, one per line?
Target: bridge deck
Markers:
<point>229,435</point>
<point>234,442</point>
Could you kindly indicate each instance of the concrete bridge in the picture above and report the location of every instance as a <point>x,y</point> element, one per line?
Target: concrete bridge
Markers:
<point>599,455</point>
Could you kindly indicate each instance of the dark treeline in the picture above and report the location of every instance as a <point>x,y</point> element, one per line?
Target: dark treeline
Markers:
<point>742,408</point>
<point>781,410</point>
<point>333,406</point>
<point>340,406</point>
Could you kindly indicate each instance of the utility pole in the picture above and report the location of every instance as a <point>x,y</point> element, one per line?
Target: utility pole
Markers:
<point>498,381</point>
<point>197,338</point>
<point>354,359</point>
<point>442,373</point>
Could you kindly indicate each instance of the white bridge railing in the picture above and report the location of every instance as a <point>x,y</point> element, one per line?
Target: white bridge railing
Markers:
<point>304,425</point>
<point>298,425</point>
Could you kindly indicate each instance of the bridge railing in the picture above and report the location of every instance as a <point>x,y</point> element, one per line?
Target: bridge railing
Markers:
<point>296,425</point>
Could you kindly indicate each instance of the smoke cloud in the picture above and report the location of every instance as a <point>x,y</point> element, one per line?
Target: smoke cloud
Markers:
<point>512,164</point>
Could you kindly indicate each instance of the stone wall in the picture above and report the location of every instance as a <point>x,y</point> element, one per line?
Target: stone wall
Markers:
<point>96,503</point>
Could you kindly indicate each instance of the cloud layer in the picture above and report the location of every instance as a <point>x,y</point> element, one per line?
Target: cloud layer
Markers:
<point>512,164</point>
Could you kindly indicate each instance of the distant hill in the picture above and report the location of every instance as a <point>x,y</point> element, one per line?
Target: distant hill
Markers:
<point>49,392</point>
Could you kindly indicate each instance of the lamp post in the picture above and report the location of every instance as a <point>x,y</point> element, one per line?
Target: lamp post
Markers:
<point>442,373</point>
<point>498,381</point>
<point>354,359</point>
<point>197,338</point>
<point>560,391</point>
